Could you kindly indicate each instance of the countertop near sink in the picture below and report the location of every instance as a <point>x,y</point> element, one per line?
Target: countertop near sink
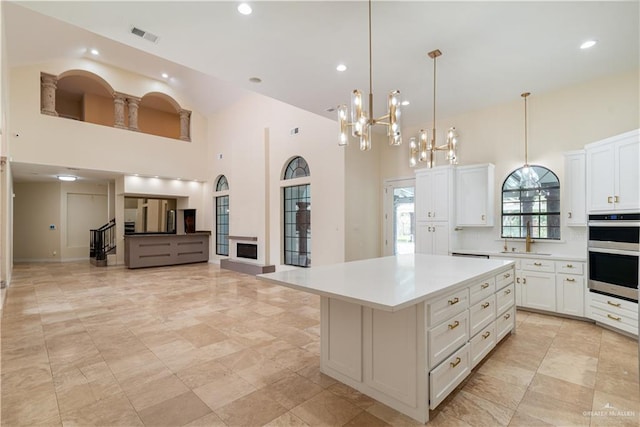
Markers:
<point>545,255</point>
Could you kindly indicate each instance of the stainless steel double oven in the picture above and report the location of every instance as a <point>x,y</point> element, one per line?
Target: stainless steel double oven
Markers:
<point>614,251</point>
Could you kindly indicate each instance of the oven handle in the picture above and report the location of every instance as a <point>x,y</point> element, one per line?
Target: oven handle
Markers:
<point>614,251</point>
<point>614,224</point>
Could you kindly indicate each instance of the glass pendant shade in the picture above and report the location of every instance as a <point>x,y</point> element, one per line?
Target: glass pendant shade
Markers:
<point>342,119</point>
<point>413,148</point>
<point>393,131</point>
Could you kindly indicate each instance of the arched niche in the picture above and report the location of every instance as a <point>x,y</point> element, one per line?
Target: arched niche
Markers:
<point>159,114</point>
<point>85,96</point>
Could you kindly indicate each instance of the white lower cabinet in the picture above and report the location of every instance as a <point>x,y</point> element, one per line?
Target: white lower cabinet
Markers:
<point>478,317</point>
<point>539,290</point>
<point>614,312</point>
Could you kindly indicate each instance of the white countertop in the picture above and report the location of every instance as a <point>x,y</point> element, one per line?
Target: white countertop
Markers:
<point>514,255</point>
<point>388,283</point>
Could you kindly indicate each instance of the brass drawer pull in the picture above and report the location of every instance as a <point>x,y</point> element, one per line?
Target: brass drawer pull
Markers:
<point>506,276</point>
<point>455,325</point>
<point>614,317</point>
<point>507,292</point>
<point>537,264</point>
<point>456,363</point>
<point>569,265</point>
<point>486,335</point>
<point>615,304</point>
<point>484,286</point>
<point>485,305</point>
<point>609,199</point>
<point>616,199</point>
<point>568,279</point>
<point>507,316</point>
<point>454,301</point>
<point>518,280</point>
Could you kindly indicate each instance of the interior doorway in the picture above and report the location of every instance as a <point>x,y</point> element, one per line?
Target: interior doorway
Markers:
<point>399,217</point>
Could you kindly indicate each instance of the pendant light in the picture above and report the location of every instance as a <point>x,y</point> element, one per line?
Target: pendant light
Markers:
<point>530,178</point>
<point>423,149</point>
<point>361,121</point>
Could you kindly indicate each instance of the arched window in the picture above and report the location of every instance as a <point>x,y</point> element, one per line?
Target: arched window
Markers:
<point>531,203</point>
<point>222,216</point>
<point>297,215</point>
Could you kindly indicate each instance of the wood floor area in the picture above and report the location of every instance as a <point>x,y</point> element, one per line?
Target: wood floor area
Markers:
<point>199,346</point>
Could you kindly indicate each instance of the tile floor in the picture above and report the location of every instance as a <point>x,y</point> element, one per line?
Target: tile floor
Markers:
<point>194,345</point>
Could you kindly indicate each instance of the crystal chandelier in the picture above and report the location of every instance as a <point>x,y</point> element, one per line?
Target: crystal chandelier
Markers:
<point>423,149</point>
<point>361,121</point>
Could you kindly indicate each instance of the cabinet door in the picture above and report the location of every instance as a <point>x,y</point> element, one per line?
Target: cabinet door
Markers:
<point>570,294</point>
<point>600,178</point>
<point>440,238</point>
<point>519,288</point>
<point>626,196</point>
<point>424,238</point>
<point>539,290</point>
<point>575,189</point>
<point>423,196</point>
<point>441,190</point>
<point>474,196</point>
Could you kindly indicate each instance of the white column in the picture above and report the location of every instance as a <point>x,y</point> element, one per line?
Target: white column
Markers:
<point>133,112</point>
<point>48,84</point>
<point>118,103</point>
<point>185,125</point>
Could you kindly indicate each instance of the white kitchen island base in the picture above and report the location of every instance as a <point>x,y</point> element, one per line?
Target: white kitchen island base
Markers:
<point>407,330</point>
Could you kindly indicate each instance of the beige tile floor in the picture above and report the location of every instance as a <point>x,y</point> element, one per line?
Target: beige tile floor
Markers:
<point>194,345</point>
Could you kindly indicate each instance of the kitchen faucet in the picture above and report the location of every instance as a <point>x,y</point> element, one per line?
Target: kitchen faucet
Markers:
<point>528,241</point>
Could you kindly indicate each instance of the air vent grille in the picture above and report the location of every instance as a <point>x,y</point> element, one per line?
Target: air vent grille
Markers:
<point>144,34</point>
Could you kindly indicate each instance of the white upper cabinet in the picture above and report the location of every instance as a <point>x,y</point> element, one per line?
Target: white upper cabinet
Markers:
<point>612,174</point>
<point>475,195</point>
<point>433,194</point>
<point>574,187</point>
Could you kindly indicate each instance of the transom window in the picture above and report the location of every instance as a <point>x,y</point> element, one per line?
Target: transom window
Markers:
<point>297,215</point>
<point>530,202</point>
<point>222,183</point>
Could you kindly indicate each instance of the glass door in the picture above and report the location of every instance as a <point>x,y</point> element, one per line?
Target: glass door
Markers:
<point>399,217</point>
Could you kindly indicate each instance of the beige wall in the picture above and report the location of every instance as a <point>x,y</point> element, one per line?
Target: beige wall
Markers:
<point>6,189</point>
<point>253,137</point>
<point>158,122</point>
<point>558,121</point>
<point>98,109</point>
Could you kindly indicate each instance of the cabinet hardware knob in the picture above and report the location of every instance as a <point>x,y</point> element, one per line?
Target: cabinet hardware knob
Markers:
<point>429,214</point>
<point>569,214</point>
<point>484,286</point>
<point>455,325</point>
<point>486,335</point>
<point>454,301</point>
<point>616,199</point>
<point>569,265</point>
<point>524,280</point>
<point>507,316</point>
<point>609,199</point>
<point>568,279</point>
<point>615,304</point>
<point>517,280</point>
<point>537,264</point>
<point>485,305</point>
<point>507,292</point>
<point>456,363</point>
<point>614,317</point>
<point>506,276</point>
<point>482,217</point>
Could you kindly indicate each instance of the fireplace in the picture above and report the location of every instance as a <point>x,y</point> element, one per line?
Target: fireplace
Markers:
<point>247,250</point>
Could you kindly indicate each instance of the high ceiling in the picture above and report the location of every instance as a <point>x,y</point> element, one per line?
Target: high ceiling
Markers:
<point>492,51</point>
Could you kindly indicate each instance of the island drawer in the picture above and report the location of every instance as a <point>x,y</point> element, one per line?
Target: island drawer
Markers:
<point>505,323</point>
<point>447,306</point>
<point>445,338</point>
<point>570,267</point>
<point>483,343</point>
<point>481,314</point>
<point>448,375</point>
<point>545,265</point>
<point>482,289</point>
<point>503,279</point>
<point>505,298</point>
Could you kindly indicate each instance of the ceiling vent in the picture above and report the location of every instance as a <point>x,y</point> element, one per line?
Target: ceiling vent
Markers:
<point>144,34</point>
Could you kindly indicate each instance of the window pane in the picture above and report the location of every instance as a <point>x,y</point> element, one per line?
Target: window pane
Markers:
<point>297,225</point>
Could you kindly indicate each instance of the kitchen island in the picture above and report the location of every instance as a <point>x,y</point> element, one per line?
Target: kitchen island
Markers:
<point>160,249</point>
<point>407,329</point>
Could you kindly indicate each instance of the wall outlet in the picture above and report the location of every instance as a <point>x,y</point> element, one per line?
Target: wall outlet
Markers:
<point>52,226</point>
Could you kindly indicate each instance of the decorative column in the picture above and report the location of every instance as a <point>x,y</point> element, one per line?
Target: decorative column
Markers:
<point>48,85</point>
<point>118,103</point>
<point>185,125</point>
<point>134,103</point>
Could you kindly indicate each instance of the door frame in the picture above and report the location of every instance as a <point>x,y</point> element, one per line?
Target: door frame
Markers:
<point>387,210</point>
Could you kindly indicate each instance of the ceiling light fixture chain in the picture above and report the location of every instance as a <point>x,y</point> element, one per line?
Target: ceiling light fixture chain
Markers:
<point>361,121</point>
<point>422,149</point>
<point>530,178</point>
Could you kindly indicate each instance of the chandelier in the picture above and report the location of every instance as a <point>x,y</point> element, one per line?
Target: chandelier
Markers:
<point>361,120</point>
<point>530,178</point>
<point>423,149</point>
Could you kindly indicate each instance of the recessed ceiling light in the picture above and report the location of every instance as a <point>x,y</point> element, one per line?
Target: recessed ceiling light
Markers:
<point>68,178</point>
<point>588,44</point>
<point>94,52</point>
<point>405,102</point>
<point>244,9</point>
<point>341,67</point>
<point>165,75</point>
<point>255,80</point>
